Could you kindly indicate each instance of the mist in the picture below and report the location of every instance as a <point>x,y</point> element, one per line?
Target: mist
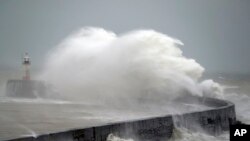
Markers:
<point>95,65</point>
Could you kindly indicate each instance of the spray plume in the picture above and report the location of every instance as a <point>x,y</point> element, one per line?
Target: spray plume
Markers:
<point>98,66</point>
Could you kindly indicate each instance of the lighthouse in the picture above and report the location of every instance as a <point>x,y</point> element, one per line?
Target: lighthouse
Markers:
<point>25,87</point>
<point>26,65</point>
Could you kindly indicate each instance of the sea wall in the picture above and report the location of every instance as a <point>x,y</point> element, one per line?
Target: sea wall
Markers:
<point>26,89</point>
<point>213,121</point>
<point>155,129</point>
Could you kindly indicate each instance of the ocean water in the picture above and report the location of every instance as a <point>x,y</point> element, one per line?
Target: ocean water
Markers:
<point>27,117</point>
<point>102,77</point>
<point>31,117</point>
<point>20,117</point>
<point>236,89</point>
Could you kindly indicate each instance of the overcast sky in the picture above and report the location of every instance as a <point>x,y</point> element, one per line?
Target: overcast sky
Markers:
<point>216,33</point>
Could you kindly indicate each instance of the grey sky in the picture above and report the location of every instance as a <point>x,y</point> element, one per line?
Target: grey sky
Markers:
<point>215,32</point>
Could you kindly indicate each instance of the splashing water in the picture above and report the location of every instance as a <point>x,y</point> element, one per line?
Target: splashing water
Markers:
<point>112,137</point>
<point>94,68</point>
<point>98,66</point>
<point>182,134</point>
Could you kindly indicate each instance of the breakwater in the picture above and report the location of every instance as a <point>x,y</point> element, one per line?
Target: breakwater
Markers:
<point>213,121</point>
<point>26,89</point>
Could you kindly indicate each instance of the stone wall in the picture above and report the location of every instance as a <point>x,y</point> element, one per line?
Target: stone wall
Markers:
<point>213,121</point>
<point>26,89</point>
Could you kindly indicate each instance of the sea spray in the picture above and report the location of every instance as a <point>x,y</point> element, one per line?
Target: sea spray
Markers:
<point>101,78</point>
<point>98,66</point>
<point>112,137</point>
<point>212,89</point>
<point>183,134</point>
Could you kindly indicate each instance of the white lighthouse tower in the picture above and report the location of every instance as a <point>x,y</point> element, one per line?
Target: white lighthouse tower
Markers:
<point>26,65</point>
<point>26,88</point>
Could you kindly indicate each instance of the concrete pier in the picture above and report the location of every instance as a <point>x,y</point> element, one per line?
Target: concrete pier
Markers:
<point>213,121</point>
<point>26,89</point>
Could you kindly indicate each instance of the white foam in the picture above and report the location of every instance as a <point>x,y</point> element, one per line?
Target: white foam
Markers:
<point>112,137</point>
<point>99,66</point>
